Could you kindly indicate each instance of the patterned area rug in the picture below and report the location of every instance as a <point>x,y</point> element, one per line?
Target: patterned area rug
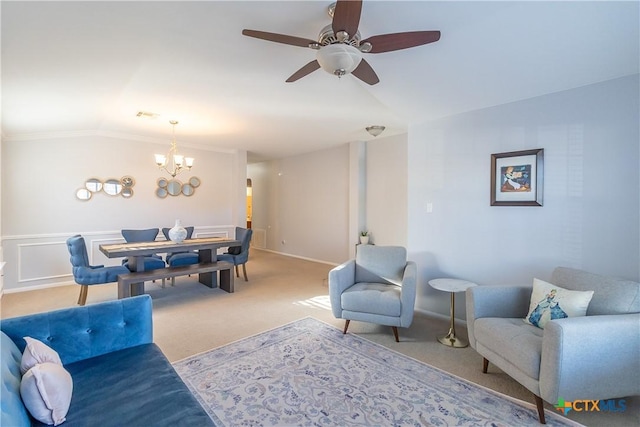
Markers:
<point>307,373</point>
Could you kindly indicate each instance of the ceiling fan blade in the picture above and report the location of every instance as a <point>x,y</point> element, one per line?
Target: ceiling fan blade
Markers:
<point>346,16</point>
<point>307,69</point>
<point>279,38</point>
<point>365,73</point>
<point>397,41</point>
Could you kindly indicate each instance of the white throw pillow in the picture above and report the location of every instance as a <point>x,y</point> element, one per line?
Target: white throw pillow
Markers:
<point>550,302</point>
<point>37,352</point>
<point>46,392</point>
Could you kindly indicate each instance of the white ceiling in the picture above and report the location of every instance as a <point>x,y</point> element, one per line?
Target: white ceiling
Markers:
<point>72,68</point>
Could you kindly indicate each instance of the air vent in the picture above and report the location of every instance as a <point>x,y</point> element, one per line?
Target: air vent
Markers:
<point>147,115</point>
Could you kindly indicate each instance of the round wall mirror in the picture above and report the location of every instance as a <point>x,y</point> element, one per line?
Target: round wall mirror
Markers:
<point>112,187</point>
<point>187,189</point>
<point>161,192</point>
<point>93,184</point>
<point>162,182</point>
<point>194,181</point>
<point>174,187</point>
<point>83,194</point>
<point>127,192</point>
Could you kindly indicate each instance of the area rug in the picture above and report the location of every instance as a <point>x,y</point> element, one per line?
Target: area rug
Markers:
<point>307,373</point>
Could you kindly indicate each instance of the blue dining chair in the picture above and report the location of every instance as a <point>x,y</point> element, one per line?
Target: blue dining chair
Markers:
<point>85,274</point>
<point>176,259</point>
<point>151,262</point>
<point>239,255</point>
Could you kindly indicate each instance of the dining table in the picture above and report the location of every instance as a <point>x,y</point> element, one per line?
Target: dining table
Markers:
<point>206,247</point>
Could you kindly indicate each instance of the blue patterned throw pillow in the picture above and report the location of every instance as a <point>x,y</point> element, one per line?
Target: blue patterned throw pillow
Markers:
<point>549,302</point>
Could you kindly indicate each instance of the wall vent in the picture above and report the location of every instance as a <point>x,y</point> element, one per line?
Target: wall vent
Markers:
<point>259,238</point>
<point>147,115</point>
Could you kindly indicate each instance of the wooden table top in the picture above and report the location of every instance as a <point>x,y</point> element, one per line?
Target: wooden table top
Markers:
<point>149,248</point>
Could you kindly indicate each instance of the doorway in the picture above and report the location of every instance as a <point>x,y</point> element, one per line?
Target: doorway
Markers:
<point>249,202</point>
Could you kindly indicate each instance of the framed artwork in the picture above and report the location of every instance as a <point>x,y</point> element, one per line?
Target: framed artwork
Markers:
<point>516,178</point>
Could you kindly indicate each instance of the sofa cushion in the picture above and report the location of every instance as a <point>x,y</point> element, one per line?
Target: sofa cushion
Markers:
<point>516,341</point>
<point>12,410</point>
<point>136,386</point>
<point>46,391</point>
<point>549,302</point>
<point>374,298</point>
<point>37,352</point>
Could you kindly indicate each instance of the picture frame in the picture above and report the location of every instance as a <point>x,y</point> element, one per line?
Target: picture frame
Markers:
<point>517,178</point>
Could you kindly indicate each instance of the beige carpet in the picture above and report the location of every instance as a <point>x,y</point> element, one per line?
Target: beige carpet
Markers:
<point>191,318</point>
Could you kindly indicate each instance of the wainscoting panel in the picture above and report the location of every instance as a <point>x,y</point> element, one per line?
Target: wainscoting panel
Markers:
<point>39,261</point>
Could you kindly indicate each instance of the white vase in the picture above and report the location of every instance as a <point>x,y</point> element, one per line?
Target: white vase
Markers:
<point>364,240</point>
<point>178,233</point>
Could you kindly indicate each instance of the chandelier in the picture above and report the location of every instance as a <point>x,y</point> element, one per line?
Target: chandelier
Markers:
<point>173,163</point>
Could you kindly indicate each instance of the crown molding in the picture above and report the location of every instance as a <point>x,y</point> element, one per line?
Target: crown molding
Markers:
<point>38,136</point>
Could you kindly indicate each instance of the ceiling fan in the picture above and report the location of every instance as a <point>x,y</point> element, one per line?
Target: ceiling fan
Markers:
<point>340,46</point>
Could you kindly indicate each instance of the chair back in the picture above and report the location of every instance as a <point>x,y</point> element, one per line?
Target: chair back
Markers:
<point>165,231</point>
<point>78,251</point>
<point>380,264</point>
<point>137,236</point>
<point>610,295</point>
<point>244,235</point>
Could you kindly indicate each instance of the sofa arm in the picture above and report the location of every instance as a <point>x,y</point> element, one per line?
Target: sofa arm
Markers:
<point>408,295</point>
<point>340,278</point>
<point>495,301</point>
<point>82,332</point>
<point>591,357</point>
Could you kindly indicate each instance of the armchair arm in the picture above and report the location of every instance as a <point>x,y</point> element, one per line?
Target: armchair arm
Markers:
<point>340,278</point>
<point>591,357</point>
<point>408,295</point>
<point>82,332</point>
<point>495,301</point>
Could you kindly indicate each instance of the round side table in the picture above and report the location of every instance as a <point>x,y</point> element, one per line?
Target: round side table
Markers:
<point>453,286</point>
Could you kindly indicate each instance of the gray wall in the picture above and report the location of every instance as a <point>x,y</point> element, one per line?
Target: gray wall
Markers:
<point>591,214</point>
<point>301,204</point>
<point>590,218</point>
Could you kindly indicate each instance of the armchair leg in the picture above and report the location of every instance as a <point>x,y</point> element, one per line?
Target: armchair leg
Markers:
<point>244,270</point>
<point>237,271</point>
<point>84,290</point>
<point>540,407</point>
<point>395,333</point>
<point>485,365</point>
<point>346,326</point>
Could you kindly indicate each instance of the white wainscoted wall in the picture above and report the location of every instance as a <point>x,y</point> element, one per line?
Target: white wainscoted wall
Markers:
<point>40,211</point>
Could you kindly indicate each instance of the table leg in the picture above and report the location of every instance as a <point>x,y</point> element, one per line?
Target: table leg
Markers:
<point>138,263</point>
<point>451,340</point>
<point>208,279</point>
<point>227,280</point>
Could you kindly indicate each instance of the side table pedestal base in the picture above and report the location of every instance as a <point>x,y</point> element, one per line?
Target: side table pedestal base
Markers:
<point>452,341</point>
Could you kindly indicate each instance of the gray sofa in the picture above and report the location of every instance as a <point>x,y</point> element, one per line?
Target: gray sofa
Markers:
<point>596,356</point>
<point>120,377</point>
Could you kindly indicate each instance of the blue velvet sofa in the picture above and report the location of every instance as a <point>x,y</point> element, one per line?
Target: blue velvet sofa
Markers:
<point>120,377</point>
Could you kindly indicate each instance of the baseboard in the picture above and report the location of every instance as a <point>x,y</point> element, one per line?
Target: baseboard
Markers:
<point>37,287</point>
<point>320,261</point>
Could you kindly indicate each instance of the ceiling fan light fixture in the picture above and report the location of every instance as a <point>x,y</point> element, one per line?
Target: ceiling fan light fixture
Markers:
<point>339,58</point>
<point>375,130</point>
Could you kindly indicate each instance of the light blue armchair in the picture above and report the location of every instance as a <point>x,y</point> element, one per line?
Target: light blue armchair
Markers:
<point>592,357</point>
<point>239,255</point>
<point>85,274</point>
<point>378,286</point>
